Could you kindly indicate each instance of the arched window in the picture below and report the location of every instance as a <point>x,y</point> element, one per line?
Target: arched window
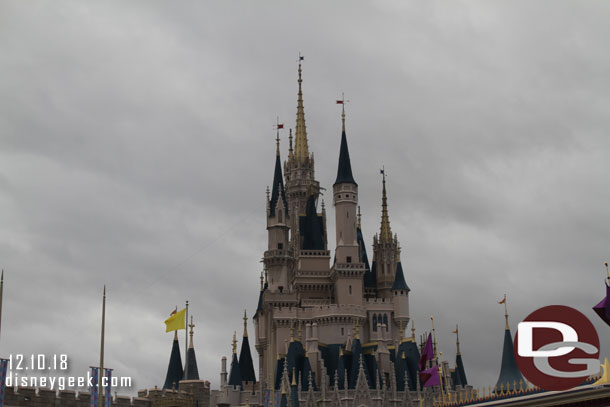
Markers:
<point>374,323</point>
<point>279,216</point>
<point>385,321</point>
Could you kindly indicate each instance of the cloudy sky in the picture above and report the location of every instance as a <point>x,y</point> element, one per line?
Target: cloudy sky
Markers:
<point>136,143</point>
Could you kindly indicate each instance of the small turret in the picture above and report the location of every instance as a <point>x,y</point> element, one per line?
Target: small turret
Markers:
<point>174,368</point>
<point>509,372</point>
<point>235,374</point>
<point>246,367</point>
<point>190,370</point>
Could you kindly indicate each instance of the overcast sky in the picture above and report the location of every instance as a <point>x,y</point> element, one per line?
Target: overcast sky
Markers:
<point>136,143</point>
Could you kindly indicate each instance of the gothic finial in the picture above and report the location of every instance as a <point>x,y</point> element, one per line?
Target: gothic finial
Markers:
<point>245,324</point>
<point>268,192</point>
<point>457,338</point>
<point>235,343</point>
<point>192,325</point>
<point>385,233</point>
<point>294,377</point>
<point>262,278</point>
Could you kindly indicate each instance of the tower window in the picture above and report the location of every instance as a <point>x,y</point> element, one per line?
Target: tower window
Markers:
<point>350,290</point>
<point>279,216</point>
<point>375,323</point>
<point>349,260</point>
<point>280,246</point>
<point>342,331</point>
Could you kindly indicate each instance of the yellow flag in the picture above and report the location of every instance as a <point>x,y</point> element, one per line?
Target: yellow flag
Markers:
<point>176,321</point>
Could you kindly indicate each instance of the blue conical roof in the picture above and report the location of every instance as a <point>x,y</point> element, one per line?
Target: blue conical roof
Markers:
<point>509,372</point>
<point>174,368</point>
<point>344,171</point>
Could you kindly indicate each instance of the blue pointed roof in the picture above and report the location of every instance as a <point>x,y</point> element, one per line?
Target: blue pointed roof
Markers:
<point>370,276</point>
<point>411,351</point>
<point>278,373</point>
<point>344,171</point>
<point>246,366</point>
<point>278,187</point>
<point>235,374</point>
<point>341,371</point>
<point>174,368</point>
<point>460,372</point>
<point>355,367</point>
<point>190,371</point>
<point>311,227</point>
<point>509,372</point>
<point>399,279</point>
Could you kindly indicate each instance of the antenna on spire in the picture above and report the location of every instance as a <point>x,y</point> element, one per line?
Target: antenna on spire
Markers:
<point>278,126</point>
<point>457,338</point>
<point>505,311</point>
<point>342,102</point>
<point>605,263</point>
<point>245,324</point>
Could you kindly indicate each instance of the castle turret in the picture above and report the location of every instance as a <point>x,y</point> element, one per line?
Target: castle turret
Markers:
<point>235,374</point>
<point>246,366</point>
<point>509,372</point>
<point>190,370</point>
<point>277,257</point>
<point>349,268</point>
<point>174,368</point>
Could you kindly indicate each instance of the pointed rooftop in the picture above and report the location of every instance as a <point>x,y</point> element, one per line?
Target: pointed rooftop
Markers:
<point>311,227</point>
<point>190,370</point>
<point>399,279</point>
<point>301,148</point>
<point>278,182</point>
<point>509,372</point>
<point>344,171</point>
<point>174,368</point>
<point>235,374</point>
<point>460,373</point>
<point>385,232</point>
<point>246,366</point>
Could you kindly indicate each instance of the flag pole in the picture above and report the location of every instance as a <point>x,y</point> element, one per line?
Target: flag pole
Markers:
<point>606,263</point>
<point>101,372</point>
<point>186,343</point>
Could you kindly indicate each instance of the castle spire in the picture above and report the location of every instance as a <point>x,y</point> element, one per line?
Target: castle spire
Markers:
<point>385,234</point>
<point>246,365</point>
<point>344,170</point>
<point>278,180</point>
<point>301,151</point>
<point>191,372</point>
<point>509,372</point>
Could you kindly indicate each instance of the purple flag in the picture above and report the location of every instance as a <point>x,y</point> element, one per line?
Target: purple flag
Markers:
<point>3,369</point>
<point>603,308</point>
<point>427,354</point>
<point>430,377</point>
<point>93,388</point>
<point>108,389</point>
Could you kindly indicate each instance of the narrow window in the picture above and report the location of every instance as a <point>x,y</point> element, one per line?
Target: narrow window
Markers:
<point>350,290</point>
<point>375,323</point>
<point>342,331</point>
<point>280,246</point>
<point>349,260</point>
<point>385,321</point>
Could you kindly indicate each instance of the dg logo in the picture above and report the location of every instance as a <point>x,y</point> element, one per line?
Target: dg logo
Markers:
<point>557,348</point>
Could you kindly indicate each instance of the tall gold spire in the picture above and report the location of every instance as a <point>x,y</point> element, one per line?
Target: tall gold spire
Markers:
<point>290,150</point>
<point>191,325</point>
<point>385,234</point>
<point>277,142</point>
<point>301,150</point>
<point>245,324</point>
